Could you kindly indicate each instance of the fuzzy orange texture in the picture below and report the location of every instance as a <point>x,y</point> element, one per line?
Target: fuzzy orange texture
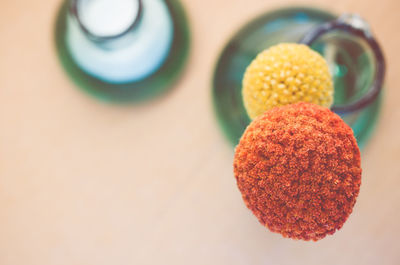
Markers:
<point>298,168</point>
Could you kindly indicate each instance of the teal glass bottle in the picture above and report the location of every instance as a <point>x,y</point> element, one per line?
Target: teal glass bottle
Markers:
<point>122,50</point>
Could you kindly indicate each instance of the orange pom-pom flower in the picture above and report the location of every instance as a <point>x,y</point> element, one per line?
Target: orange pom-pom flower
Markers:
<point>298,169</point>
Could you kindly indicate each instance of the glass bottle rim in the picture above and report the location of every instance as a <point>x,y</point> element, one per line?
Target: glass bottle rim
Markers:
<point>354,25</point>
<point>73,8</point>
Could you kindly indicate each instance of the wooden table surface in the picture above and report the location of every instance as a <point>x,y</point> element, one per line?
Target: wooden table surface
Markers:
<point>83,182</point>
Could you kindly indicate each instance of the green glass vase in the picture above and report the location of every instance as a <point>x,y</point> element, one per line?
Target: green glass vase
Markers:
<point>350,58</point>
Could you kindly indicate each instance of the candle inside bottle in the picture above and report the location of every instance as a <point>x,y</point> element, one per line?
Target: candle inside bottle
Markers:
<point>105,18</point>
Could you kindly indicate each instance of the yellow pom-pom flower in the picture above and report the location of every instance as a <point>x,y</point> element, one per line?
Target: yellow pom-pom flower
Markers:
<point>284,74</point>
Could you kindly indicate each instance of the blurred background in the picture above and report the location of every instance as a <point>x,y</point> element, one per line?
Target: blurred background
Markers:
<point>87,182</point>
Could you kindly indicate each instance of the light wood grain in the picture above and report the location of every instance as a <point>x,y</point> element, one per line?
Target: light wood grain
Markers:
<point>83,183</point>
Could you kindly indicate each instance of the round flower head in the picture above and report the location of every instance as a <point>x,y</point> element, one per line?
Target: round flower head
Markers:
<point>298,169</point>
<point>284,74</point>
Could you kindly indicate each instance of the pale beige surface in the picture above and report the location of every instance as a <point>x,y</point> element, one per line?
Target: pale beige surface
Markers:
<point>85,183</point>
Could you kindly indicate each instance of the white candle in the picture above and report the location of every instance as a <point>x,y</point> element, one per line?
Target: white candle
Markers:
<point>107,18</point>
